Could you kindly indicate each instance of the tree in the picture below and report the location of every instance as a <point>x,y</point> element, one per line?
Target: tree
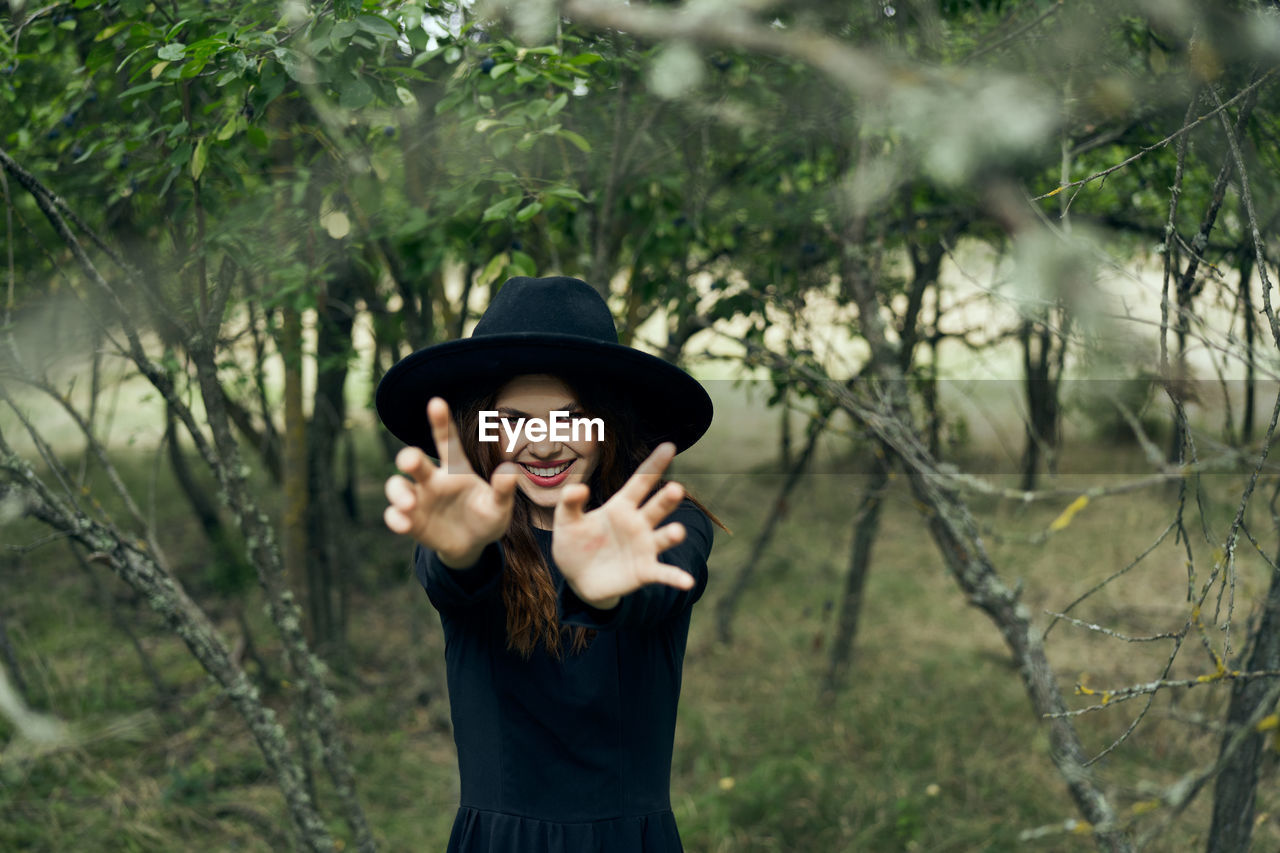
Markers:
<point>887,414</point>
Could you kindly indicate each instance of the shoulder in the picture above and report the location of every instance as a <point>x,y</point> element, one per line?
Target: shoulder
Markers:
<point>697,525</point>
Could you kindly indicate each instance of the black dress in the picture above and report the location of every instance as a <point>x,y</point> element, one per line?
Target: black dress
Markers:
<point>570,755</point>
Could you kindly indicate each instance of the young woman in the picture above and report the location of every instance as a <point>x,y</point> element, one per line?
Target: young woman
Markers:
<point>563,570</point>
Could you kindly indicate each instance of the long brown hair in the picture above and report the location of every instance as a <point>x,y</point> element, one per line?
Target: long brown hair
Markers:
<point>527,590</point>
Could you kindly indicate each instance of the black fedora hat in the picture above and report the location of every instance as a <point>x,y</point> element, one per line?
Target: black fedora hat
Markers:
<point>559,326</point>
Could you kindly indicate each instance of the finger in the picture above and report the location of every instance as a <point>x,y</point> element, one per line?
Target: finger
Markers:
<point>572,500</point>
<point>504,480</point>
<point>662,504</point>
<point>668,536</point>
<point>415,463</point>
<point>400,494</point>
<point>648,474</point>
<point>396,520</point>
<point>664,574</point>
<point>445,434</point>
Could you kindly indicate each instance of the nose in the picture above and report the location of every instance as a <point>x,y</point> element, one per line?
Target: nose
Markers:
<point>546,450</point>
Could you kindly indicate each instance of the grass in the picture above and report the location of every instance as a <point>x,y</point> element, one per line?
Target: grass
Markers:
<point>933,746</point>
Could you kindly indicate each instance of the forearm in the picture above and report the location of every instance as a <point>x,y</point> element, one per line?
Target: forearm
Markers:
<point>449,587</point>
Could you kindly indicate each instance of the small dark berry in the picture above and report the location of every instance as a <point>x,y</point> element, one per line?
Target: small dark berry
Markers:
<point>517,245</point>
<point>388,131</point>
<point>77,151</point>
<point>486,64</point>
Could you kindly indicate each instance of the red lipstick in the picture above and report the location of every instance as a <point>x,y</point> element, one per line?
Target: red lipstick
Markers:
<point>554,479</point>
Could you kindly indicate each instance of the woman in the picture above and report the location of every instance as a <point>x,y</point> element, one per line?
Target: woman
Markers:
<point>563,570</point>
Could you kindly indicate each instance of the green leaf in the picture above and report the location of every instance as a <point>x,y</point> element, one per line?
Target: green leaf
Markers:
<point>143,87</point>
<point>582,144</point>
<point>585,59</point>
<point>501,68</point>
<point>491,269</point>
<point>522,264</point>
<point>198,160</point>
<point>343,30</point>
<point>173,51</point>
<point>355,94</point>
<point>376,26</point>
<point>557,105</point>
<point>271,81</point>
<point>501,209</point>
<point>565,192</point>
<point>180,156</point>
<point>528,211</point>
<point>111,30</point>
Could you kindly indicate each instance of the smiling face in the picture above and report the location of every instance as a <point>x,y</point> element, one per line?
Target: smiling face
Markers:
<point>546,467</point>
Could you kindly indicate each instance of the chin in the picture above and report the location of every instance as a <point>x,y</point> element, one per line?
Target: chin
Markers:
<point>545,497</point>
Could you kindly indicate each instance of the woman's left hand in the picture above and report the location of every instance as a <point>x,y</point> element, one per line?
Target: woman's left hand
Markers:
<point>613,549</point>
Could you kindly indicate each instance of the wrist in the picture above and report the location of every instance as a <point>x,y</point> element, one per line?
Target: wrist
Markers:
<point>460,560</point>
<point>601,603</point>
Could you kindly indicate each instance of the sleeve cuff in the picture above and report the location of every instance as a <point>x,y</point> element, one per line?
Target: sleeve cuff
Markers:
<point>449,588</point>
<point>574,611</point>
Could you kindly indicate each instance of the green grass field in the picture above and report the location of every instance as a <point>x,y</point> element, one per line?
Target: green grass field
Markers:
<point>932,747</point>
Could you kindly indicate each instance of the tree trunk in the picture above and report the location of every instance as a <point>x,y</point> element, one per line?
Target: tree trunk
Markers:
<point>293,536</point>
<point>327,557</point>
<point>11,660</point>
<point>232,569</point>
<point>1041,391</point>
<point>1235,791</point>
<point>866,526</point>
<point>1250,327</point>
<point>727,605</point>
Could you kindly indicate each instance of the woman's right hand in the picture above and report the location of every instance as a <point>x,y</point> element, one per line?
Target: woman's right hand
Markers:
<point>449,508</point>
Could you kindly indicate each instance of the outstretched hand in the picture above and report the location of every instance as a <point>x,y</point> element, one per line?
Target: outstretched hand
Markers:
<point>613,549</point>
<point>449,508</point>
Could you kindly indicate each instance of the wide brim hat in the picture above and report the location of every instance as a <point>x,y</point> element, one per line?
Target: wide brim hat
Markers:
<point>559,326</point>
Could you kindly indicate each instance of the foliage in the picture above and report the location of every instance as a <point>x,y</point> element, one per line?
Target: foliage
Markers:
<point>386,166</point>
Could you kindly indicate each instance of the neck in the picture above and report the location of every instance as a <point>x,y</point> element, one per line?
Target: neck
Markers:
<point>542,517</point>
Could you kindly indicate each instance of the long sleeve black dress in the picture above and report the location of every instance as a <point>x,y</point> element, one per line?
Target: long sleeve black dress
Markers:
<point>570,755</point>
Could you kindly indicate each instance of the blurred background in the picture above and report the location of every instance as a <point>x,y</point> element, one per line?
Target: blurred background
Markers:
<point>982,290</point>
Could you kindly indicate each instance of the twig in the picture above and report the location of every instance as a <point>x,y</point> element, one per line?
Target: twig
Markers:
<point>1163,142</point>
